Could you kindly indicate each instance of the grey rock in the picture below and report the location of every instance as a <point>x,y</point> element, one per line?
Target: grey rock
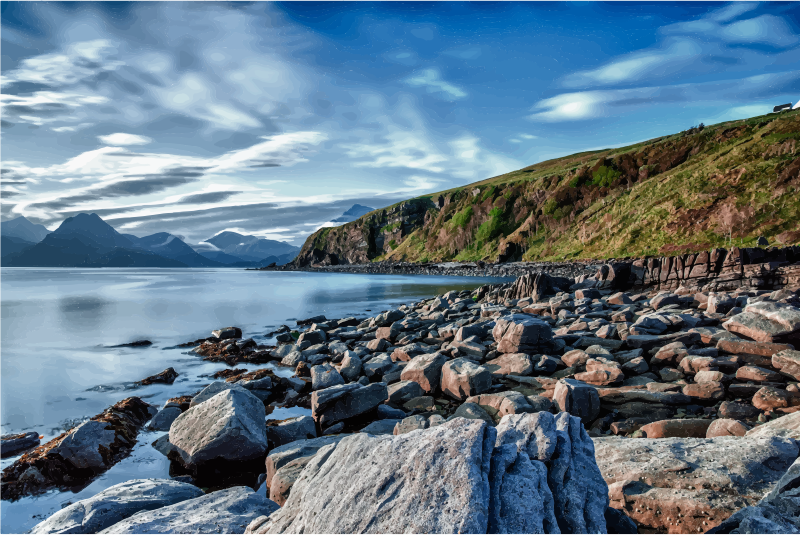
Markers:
<point>426,370</point>
<point>410,423</point>
<point>578,399</point>
<point>324,376</point>
<point>164,418</point>
<point>227,332</point>
<point>350,367</point>
<point>472,411</point>
<point>117,503</point>
<point>289,430</point>
<point>338,403</point>
<point>401,392</point>
<point>82,446</point>
<point>381,427</point>
<point>314,337</point>
<point>285,454</point>
<point>15,443</point>
<point>212,390</point>
<point>230,426</point>
<point>386,412</point>
<point>462,378</point>
<point>224,511</point>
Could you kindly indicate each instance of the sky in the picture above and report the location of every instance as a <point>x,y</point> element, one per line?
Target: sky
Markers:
<point>271,119</point>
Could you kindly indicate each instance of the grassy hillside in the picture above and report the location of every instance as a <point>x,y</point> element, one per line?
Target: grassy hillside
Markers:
<point>714,186</point>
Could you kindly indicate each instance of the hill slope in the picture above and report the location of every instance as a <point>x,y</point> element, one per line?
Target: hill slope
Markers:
<point>715,186</point>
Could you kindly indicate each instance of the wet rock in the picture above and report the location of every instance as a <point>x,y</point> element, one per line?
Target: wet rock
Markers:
<point>164,418</point>
<point>462,378</point>
<point>578,399</point>
<point>77,456</point>
<point>223,511</point>
<point>117,503</point>
<point>312,337</point>
<point>686,428</point>
<point>725,427</point>
<point>168,377</point>
<point>13,444</point>
<point>338,403</point>
<point>289,430</point>
<point>227,332</point>
<point>224,433</point>
<point>425,370</point>
<point>689,485</point>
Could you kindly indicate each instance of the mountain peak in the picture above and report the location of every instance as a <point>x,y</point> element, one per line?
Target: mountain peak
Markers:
<point>92,226</point>
<point>20,227</point>
<point>353,213</point>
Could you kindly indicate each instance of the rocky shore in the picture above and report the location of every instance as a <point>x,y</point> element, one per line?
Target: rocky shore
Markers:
<point>550,404</point>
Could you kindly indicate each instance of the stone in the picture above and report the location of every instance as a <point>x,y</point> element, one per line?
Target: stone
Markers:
<point>290,430</point>
<point>325,376</point>
<point>788,362</point>
<point>786,426</point>
<point>312,337</point>
<point>164,418</point>
<point>472,411</point>
<point>636,366</point>
<point>409,351</point>
<point>689,485</point>
<point>740,346</point>
<point>284,479</point>
<point>283,455</point>
<point>381,427</point>
<point>759,375</point>
<point>509,402</point>
<point>738,411</point>
<point>12,444</point>
<point>725,427</point>
<point>619,298</point>
<point>460,476</point>
<point>575,358</point>
<point>378,345</point>
<point>766,321</point>
<point>707,376</point>
<point>510,364</point>
<point>578,399</point>
<point>350,368</point>
<point>601,372</point>
<point>224,511</point>
<point>705,393</point>
<point>212,390</point>
<point>168,376</point>
<point>663,300</point>
<point>410,423</point>
<point>83,446</point>
<point>229,427</point>
<point>421,403</point>
<point>462,378</point>
<point>619,522</point>
<point>117,503</point>
<point>686,428</point>
<point>547,365</point>
<point>400,393</point>
<point>227,332</point>
<point>769,398</point>
<point>341,402</point>
<point>425,370</point>
<point>521,333</point>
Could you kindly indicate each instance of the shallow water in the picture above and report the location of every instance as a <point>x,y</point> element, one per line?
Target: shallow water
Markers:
<point>57,366</point>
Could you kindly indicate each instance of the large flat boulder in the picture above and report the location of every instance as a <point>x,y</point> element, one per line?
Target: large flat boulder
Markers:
<point>230,427</point>
<point>287,453</point>
<point>689,485</point>
<point>767,322</point>
<point>786,426</point>
<point>289,430</point>
<point>522,333</point>
<point>462,378</point>
<point>117,503</point>
<point>426,370</point>
<point>224,511</point>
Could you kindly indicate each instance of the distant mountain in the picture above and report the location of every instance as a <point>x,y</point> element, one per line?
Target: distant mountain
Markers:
<point>222,258</point>
<point>21,228</point>
<point>85,240</point>
<point>170,246</point>
<point>12,244</point>
<point>353,213</point>
<point>251,248</point>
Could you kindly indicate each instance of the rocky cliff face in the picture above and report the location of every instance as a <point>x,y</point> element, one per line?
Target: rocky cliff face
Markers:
<point>736,183</point>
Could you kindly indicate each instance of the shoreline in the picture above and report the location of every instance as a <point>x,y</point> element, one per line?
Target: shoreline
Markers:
<point>628,365</point>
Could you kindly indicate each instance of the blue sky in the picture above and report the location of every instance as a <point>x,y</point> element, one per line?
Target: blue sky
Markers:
<point>273,118</point>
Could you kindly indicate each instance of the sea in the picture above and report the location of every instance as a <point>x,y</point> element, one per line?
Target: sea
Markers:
<point>59,327</point>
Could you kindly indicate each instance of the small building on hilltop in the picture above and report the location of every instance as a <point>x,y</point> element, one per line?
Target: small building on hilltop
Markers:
<point>782,107</point>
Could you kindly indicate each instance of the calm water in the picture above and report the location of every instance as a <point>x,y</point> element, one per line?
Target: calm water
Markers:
<point>57,325</point>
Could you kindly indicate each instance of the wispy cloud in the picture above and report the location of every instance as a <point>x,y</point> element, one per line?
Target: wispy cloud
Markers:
<point>124,139</point>
<point>431,80</point>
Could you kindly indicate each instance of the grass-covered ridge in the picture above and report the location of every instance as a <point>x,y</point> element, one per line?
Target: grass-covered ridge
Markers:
<point>715,186</point>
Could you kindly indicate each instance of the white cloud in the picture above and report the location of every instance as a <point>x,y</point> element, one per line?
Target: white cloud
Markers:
<point>528,136</point>
<point>572,106</point>
<point>77,62</point>
<point>732,10</point>
<point>433,83</point>
<point>124,139</point>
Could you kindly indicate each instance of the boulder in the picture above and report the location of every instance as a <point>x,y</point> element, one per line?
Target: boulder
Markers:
<point>350,368</point>
<point>227,332</point>
<point>767,321</point>
<point>312,337</point>
<point>403,391</point>
<point>409,351</point>
<point>462,378</point>
<point>381,427</point>
<point>472,411</point>
<point>786,426</point>
<point>284,479</point>
<point>521,333</point>
<point>725,427</point>
<point>688,485</point>
<point>325,376</point>
<point>164,418</point>
<point>686,428</point>
<point>738,411</point>
<point>212,390</point>
<point>578,399</point>
<point>227,428</point>
<point>502,403</point>
<point>223,511</point>
<point>769,398</point>
<point>425,370</point>
<point>510,364</point>
<point>601,372</point>
<point>168,376</point>
<point>536,475</point>
<point>338,403</point>
<point>705,393</point>
<point>757,374</point>
<point>117,503</point>
<point>748,347</point>
<point>788,362</point>
<point>289,430</point>
<point>575,358</point>
<point>285,454</point>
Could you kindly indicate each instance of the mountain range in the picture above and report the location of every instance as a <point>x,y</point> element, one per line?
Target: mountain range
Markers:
<point>85,240</point>
<point>733,183</point>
